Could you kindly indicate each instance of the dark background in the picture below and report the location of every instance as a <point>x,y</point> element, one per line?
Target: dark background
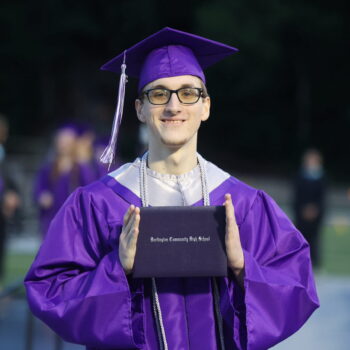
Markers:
<point>286,90</point>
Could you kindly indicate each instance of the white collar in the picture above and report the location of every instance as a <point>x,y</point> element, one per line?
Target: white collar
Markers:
<point>168,189</point>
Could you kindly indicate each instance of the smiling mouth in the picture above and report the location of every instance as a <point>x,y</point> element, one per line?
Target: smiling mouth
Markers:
<point>172,121</point>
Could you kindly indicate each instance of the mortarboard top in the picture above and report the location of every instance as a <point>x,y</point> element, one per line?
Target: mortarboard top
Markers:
<point>69,126</point>
<point>169,52</point>
<point>78,128</point>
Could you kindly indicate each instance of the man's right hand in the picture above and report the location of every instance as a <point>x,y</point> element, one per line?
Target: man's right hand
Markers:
<point>128,238</point>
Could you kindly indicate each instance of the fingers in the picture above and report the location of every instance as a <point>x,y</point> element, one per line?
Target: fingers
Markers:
<point>230,214</point>
<point>132,224</point>
<point>230,211</point>
<point>134,232</point>
<point>128,214</point>
<point>128,238</point>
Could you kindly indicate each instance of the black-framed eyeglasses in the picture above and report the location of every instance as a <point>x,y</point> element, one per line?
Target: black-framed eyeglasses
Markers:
<point>161,96</point>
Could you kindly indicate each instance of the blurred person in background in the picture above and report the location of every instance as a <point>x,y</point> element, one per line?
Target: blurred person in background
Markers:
<point>9,197</point>
<point>58,176</point>
<point>86,164</point>
<point>73,164</point>
<point>309,200</point>
<point>87,156</point>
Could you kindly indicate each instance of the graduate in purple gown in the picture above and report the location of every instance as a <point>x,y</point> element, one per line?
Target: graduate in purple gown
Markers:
<point>74,164</point>
<point>58,177</point>
<point>87,156</point>
<point>81,282</point>
<point>90,169</point>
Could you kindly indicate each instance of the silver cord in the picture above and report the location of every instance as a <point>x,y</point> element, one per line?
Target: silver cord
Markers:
<point>204,181</point>
<point>158,316</point>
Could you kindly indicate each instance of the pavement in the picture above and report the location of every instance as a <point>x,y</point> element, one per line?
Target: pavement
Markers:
<point>14,315</point>
<point>328,328</point>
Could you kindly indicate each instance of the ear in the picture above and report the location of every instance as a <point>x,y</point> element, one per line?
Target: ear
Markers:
<point>139,111</point>
<point>206,109</point>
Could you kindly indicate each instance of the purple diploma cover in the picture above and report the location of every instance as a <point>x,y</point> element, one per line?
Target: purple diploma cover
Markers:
<point>181,242</point>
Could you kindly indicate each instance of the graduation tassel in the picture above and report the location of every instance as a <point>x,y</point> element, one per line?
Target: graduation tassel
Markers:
<point>108,155</point>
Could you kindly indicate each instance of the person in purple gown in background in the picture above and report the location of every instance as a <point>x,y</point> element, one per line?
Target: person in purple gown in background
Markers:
<point>57,178</point>
<point>89,168</point>
<point>81,283</point>
<point>89,151</point>
<point>73,164</point>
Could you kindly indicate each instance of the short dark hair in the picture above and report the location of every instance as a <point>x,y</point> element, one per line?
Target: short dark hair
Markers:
<point>205,90</point>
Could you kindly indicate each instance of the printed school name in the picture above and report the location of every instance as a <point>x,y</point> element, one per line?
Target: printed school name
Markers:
<point>189,239</point>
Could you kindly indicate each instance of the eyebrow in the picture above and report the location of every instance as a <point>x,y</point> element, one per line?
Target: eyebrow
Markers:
<point>165,87</point>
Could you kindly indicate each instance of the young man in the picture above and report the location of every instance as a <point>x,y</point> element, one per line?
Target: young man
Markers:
<point>81,283</point>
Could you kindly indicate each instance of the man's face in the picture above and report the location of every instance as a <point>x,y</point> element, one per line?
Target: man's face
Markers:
<point>174,124</point>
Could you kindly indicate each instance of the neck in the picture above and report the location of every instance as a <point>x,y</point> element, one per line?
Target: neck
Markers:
<point>174,161</point>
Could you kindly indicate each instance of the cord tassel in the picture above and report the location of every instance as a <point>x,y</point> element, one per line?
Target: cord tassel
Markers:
<point>108,155</point>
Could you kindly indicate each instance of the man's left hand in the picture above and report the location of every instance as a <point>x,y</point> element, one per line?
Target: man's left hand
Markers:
<point>234,251</point>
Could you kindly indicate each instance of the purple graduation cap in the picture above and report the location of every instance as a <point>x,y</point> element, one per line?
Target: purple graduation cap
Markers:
<point>167,53</point>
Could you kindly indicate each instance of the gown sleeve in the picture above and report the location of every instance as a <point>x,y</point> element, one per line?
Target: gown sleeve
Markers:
<point>279,290</point>
<point>76,284</point>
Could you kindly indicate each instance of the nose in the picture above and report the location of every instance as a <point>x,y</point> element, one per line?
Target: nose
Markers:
<point>174,105</point>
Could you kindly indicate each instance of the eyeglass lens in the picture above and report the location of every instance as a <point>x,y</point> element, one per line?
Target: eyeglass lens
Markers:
<point>185,95</point>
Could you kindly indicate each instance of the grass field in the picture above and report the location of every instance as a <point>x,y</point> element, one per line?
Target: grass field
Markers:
<point>335,256</point>
<point>16,266</point>
<point>336,250</point>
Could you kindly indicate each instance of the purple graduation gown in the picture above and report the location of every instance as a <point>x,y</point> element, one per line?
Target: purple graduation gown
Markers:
<point>77,285</point>
<point>94,170</point>
<point>63,186</point>
<point>60,189</point>
<point>91,171</point>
